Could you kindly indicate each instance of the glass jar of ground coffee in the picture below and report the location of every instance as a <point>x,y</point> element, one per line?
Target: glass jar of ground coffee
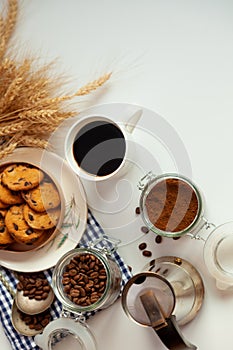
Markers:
<point>86,279</point>
<point>171,205</point>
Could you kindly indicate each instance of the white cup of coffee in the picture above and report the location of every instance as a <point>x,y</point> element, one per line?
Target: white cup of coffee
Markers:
<point>98,148</point>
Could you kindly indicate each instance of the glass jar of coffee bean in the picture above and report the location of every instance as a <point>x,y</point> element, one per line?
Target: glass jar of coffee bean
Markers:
<point>86,279</point>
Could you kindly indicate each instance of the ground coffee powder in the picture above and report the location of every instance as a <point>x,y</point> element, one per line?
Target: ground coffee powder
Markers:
<point>172,205</point>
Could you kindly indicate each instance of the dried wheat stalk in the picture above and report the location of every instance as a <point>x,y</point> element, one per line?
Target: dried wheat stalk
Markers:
<point>31,105</point>
<point>8,25</point>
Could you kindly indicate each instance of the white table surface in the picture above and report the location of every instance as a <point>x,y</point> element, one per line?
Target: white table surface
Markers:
<point>175,58</point>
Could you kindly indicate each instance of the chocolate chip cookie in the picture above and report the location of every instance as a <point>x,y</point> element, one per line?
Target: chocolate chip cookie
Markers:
<point>18,227</point>
<point>19,177</point>
<point>41,220</point>
<point>5,237</point>
<point>9,197</point>
<point>42,198</point>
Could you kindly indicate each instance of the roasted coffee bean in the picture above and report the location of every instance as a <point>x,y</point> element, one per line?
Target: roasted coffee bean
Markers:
<point>75,294</point>
<point>82,292</point>
<point>142,246</point>
<point>73,272</point>
<point>92,264</point>
<point>65,280</point>
<point>144,229</point>
<point>44,296</point>
<point>158,239</point>
<point>35,286</point>
<point>130,268</point>
<point>46,288</point>
<point>84,279</point>
<point>38,283</point>
<point>147,253</point>
<point>137,210</point>
<point>38,292</point>
<point>102,277</point>
<point>32,291</point>
<point>94,275</point>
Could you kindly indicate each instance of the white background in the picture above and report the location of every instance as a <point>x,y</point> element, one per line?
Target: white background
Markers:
<point>174,57</point>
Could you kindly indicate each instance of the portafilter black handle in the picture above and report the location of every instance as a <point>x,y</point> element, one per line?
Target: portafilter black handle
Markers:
<point>166,328</point>
<point>172,337</point>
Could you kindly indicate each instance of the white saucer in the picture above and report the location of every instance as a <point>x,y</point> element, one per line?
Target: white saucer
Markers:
<point>158,148</point>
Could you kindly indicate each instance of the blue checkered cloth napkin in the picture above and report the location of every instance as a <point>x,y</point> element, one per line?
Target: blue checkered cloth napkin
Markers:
<point>18,342</point>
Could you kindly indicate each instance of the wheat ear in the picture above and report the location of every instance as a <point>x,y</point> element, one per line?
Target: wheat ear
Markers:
<point>87,89</point>
<point>8,150</point>
<point>31,141</point>
<point>93,85</point>
<point>8,25</point>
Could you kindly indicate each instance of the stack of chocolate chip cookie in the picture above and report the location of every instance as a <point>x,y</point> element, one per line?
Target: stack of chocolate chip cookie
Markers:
<point>30,205</point>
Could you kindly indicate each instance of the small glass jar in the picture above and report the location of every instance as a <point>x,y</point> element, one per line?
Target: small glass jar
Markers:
<point>99,276</point>
<point>171,205</point>
<point>84,280</point>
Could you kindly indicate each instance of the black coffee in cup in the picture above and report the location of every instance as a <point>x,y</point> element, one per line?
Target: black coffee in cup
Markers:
<point>99,148</point>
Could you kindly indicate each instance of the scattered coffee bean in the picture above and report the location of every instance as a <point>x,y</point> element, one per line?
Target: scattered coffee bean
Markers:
<point>147,253</point>
<point>130,268</point>
<point>176,238</point>
<point>33,285</point>
<point>158,239</point>
<point>144,229</point>
<point>37,322</point>
<point>142,246</point>
<point>84,279</point>
<point>137,211</point>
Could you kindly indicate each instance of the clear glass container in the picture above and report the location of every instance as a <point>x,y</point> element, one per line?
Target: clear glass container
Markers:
<point>112,284</point>
<point>171,205</point>
<point>92,273</point>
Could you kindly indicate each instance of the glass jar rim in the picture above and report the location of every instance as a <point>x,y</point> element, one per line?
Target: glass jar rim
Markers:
<point>69,326</point>
<point>58,286</point>
<point>147,188</point>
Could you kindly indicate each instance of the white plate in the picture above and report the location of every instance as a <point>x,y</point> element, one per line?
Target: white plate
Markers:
<point>75,215</point>
<point>158,148</point>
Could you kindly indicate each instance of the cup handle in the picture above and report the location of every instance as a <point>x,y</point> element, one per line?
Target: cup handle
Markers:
<point>133,120</point>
